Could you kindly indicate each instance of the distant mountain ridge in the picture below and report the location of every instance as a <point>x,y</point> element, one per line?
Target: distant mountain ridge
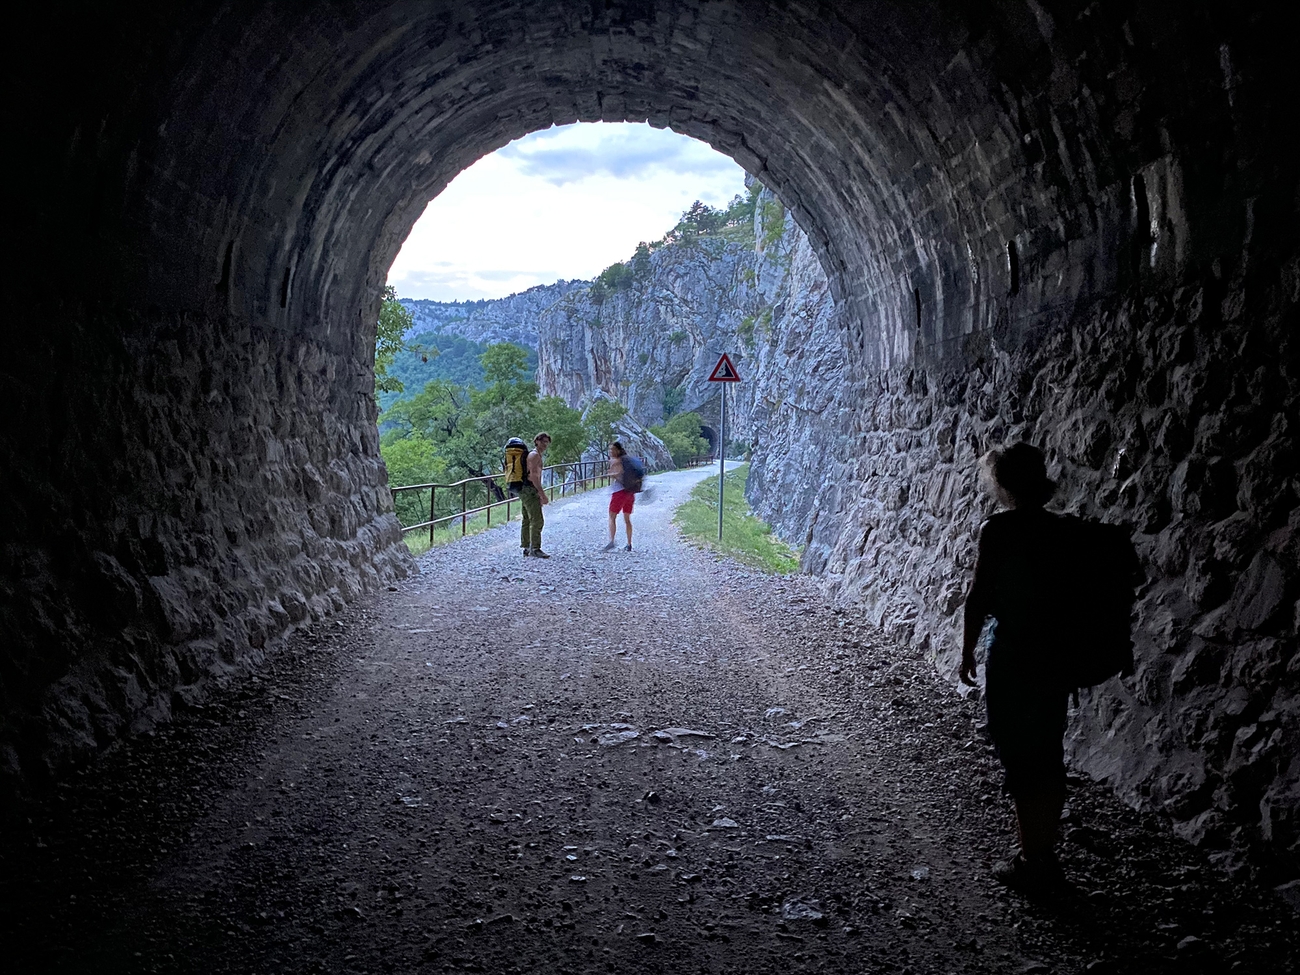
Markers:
<point>510,319</point>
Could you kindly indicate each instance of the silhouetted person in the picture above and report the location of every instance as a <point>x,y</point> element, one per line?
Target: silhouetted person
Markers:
<point>532,496</point>
<point>1017,590</point>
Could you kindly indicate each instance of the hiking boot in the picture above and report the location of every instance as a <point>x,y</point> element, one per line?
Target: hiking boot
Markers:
<point>527,552</point>
<point>1037,876</point>
<point>627,548</point>
<point>537,553</point>
<point>610,547</point>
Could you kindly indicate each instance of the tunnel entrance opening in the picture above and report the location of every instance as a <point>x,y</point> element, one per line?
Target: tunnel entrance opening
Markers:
<point>580,243</point>
<point>711,435</point>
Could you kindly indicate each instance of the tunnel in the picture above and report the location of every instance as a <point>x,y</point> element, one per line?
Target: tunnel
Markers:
<point>1029,209</point>
<point>711,435</point>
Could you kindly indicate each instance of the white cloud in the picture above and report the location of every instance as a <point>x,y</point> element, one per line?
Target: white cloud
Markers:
<point>561,203</point>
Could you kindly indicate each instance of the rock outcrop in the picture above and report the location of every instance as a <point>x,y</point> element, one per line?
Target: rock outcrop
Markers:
<point>510,319</point>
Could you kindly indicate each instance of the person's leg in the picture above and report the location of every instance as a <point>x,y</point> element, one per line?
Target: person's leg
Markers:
<point>531,532</point>
<point>613,526</point>
<point>524,522</point>
<point>1029,746</point>
<point>1038,818</point>
<point>627,522</point>
<point>539,520</point>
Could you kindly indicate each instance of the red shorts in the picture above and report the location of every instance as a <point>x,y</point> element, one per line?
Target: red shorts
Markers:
<point>621,501</point>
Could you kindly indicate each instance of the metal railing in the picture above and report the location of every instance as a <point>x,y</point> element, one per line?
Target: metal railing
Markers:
<point>571,478</point>
<point>558,479</point>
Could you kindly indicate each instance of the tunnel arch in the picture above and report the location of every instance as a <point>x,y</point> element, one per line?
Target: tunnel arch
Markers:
<point>190,455</point>
<point>711,435</point>
<point>914,143</point>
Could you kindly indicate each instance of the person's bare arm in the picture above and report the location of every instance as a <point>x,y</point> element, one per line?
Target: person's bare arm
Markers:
<point>535,476</point>
<point>976,611</point>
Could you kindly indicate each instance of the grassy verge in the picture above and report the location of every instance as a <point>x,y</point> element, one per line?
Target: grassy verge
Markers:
<point>746,539</point>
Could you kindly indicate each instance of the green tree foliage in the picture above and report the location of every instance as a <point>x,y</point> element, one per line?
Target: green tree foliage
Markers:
<point>700,220</point>
<point>674,396</point>
<point>390,339</point>
<point>436,355</point>
<point>600,422</point>
<point>641,262</point>
<point>448,432</point>
<point>413,461</point>
<point>616,277</point>
<point>681,435</point>
<point>773,222</point>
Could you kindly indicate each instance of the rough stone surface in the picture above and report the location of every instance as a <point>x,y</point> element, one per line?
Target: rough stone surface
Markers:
<point>1143,425</point>
<point>1072,220</point>
<point>511,319</point>
<point>663,333</point>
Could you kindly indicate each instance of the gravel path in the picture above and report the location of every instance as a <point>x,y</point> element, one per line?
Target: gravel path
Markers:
<point>644,762</point>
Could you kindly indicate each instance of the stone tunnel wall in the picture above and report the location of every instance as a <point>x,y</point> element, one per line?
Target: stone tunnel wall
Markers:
<point>187,491</point>
<point>209,196</point>
<point>1176,413</point>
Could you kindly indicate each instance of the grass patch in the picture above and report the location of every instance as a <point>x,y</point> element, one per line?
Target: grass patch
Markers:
<point>417,541</point>
<point>746,539</point>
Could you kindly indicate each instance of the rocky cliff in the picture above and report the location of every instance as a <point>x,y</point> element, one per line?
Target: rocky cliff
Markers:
<point>511,319</point>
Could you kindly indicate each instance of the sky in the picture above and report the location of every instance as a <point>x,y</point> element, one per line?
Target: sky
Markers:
<point>565,202</point>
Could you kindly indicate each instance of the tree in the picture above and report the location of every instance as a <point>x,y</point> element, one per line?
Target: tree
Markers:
<point>390,338</point>
<point>564,424</point>
<point>600,421</point>
<point>674,396</point>
<point>505,365</point>
<point>681,435</point>
<point>467,428</point>
<point>412,460</point>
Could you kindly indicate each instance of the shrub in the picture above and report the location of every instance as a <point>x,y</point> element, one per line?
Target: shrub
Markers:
<point>746,329</point>
<point>681,435</point>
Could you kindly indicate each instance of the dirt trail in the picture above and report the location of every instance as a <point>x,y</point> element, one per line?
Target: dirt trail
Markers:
<point>648,761</point>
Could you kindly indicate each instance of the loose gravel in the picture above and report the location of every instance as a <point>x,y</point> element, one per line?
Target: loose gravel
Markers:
<point>653,761</point>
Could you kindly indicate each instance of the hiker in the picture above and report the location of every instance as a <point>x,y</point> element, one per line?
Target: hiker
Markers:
<point>621,500</point>
<point>531,498</point>
<point>1016,589</point>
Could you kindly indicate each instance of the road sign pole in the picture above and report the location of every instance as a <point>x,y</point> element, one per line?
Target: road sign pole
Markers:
<point>722,457</point>
<point>724,372</point>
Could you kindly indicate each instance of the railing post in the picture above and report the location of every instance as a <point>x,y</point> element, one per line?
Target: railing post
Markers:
<point>487,494</point>
<point>433,506</point>
<point>464,494</point>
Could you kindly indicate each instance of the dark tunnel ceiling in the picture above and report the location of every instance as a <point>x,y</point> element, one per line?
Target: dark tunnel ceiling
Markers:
<point>269,159</point>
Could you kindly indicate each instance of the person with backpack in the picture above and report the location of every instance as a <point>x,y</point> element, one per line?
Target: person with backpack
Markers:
<point>1055,594</point>
<point>531,498</point>
<point>628,475</point>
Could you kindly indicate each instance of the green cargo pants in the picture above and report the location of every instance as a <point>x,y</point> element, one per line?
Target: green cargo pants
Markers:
<point>530,530</point>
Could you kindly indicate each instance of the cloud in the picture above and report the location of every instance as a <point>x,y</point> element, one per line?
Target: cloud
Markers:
<point>559,204</point>
<point>566,155</point>
<point>512,275</point>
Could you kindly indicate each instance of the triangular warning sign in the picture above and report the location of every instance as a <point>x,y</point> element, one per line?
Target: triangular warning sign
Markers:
<point>724,371</point>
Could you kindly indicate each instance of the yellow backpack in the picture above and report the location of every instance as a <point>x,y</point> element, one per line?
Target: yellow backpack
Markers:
<point>516,464</point>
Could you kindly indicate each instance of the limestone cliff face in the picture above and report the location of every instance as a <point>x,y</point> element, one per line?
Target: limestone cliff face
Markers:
<point>511,319</point>
<point>768,305</point>
<point>658,337</point>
